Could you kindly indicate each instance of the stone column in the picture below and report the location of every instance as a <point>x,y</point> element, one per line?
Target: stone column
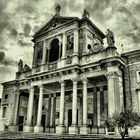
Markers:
<point>53,111</point>
<point>76,41</point>
<point>44,53</point>
<point>94,129</point>
<point>61,127</point>
<point>64,45</point>
<point>73,129</point>
<point>98,107</point>
<point>14,116</point>
<point>84,129</point>
<point>48,114</point>
<point>28,127</point>
<point>38,127</point>
<point>113,91</point>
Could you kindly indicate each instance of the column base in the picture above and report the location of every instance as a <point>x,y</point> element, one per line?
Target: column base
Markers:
<point>52,130</point>
<point>84,129</point>
<point>28,128</point>
<point>94,130</point>
<point>73,129</point>
<point>60,129</point>
<point>38,129</point>
<point>47,129</point>
<point>13,128</point>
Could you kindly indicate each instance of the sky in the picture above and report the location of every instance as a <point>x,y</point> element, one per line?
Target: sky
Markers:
<point>20,19</point>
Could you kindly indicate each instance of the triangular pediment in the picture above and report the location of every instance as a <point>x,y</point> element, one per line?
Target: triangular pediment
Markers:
<point>54,23</point>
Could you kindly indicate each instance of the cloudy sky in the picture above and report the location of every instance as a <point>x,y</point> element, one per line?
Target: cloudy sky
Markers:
<point>20,19</point>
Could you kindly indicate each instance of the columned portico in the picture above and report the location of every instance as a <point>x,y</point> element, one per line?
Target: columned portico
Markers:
<point>38,127</point>
<point>28,127</point>
<point>73,129</point>
<point>84,128</point>
<point>61,128</point>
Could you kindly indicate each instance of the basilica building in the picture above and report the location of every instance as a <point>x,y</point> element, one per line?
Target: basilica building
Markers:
<point>75,81</point>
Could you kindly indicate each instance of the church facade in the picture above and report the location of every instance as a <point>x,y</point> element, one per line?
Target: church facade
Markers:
<point>75,81</point>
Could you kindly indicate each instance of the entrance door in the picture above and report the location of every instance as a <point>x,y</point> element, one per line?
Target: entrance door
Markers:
<point>20,123</point>
<point>69,117</point>
<point>43,122</point>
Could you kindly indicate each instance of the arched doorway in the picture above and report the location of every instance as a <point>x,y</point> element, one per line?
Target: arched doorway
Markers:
<point>54,50</point>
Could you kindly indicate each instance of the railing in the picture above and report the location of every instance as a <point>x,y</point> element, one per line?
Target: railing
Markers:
<point>5,101</point>
<point>69,52</point>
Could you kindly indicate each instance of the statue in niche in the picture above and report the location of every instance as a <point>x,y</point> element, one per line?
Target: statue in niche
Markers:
<point>70,42</point>
<point>39,53</point>
<point>20,65</point>
<point>110,37</point>
<point>81,33</point>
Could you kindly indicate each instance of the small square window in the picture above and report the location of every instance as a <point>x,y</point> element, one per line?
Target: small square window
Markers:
<point>4,112</point>
<point>6,96</point>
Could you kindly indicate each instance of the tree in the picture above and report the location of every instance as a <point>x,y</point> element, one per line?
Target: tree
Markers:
<point>123,121</point>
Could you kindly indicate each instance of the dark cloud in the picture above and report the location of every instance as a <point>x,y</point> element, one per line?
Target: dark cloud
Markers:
<point>6,61</point>
<point>27,29</point>
<point>20,19</point>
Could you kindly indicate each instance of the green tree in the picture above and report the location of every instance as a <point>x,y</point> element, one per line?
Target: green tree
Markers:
<point>123,121</point>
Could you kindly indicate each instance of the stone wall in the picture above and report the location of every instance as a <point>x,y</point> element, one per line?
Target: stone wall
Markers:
<point>132,85</point>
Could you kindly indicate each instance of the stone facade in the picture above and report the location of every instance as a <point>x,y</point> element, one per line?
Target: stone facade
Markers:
<point>74,83</point>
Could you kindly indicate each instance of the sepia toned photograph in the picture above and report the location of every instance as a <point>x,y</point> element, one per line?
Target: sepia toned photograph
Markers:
<point>70,69</point>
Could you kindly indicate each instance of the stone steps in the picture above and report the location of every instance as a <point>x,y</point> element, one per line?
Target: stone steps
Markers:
<point>21,135</point>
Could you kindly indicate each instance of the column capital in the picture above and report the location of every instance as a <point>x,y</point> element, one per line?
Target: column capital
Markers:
<point>50,95</point>
<point>76,29</point>
<point>31,87</point>
<point>54,94</point>
<point>100,88</point>
<point>16,91</point>
<point>112,74</point>
<point>40,85</point>
<point>75,80</point>
<point>62,82</point>
<point>64,33</point>
<point>84,80</point>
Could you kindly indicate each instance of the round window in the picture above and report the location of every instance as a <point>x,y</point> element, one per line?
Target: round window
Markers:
<point>89,46</point>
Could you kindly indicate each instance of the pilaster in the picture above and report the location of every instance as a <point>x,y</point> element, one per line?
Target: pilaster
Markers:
<point>64,45</point>
<point>113,90</point>
<point>76,41</point>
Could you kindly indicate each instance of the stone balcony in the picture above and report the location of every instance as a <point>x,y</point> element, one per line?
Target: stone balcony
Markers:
<point>74,59</point>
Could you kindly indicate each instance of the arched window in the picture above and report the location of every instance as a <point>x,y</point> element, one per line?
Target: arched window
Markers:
<point>54,50</point>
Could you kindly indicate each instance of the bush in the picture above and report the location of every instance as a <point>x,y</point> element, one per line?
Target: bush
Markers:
<point>123,121</point>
